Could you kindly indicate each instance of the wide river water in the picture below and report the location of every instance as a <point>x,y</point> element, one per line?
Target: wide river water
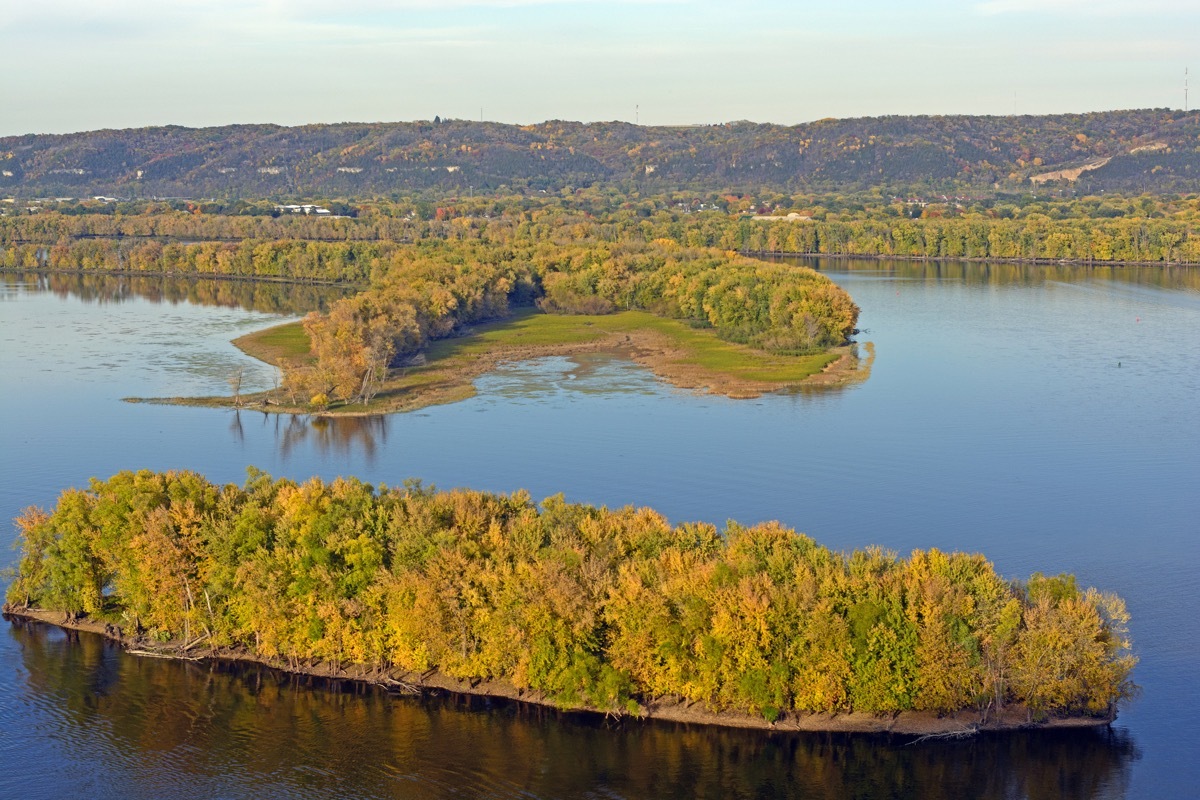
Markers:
<point>1046,417</point>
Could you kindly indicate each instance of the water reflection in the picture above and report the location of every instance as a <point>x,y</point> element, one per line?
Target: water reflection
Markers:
<point>329,436</point>
<point>304,434</point>
<point>982,273</point>
<point>236,429</point>
<point>555,378</point>
<point>224,729</point>
<point>267,297</point>
<point>544,379</point>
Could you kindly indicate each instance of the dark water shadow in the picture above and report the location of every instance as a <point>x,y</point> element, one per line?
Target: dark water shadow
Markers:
<point>995,273</point>
<point>292,299</point>
<point>329,436</point>
<point>193,728</point>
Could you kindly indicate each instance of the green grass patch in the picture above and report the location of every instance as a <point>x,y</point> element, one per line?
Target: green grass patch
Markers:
<point>694,347</point>
<point>700,347</point>
<point>277,344</point>
<point>690,346</point>
<point>674,349</point>
<point>525,329</point>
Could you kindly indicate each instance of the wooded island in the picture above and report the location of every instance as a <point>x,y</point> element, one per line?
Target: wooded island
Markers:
<point>581,607</point>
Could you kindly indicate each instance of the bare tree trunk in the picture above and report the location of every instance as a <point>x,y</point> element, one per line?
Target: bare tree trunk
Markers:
<point>235,385</point>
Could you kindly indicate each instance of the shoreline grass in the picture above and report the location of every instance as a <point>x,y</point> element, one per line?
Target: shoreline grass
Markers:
<point>277,344</point>
<point>682,355</point>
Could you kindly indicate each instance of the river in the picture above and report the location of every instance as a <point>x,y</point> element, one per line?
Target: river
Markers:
<point>1044,416</point>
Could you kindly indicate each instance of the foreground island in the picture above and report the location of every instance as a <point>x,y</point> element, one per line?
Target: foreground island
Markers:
<point>613,611</point>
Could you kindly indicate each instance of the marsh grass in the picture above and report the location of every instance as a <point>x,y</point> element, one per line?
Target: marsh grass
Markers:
<point>681,343</point>
<point>680,353</point>
<point>276,344</point>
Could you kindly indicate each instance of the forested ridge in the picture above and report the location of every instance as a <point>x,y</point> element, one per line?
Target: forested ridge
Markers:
<point>1146,150</point>
<point>593,607</point>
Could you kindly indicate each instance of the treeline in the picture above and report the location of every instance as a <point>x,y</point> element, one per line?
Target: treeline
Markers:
<point>351,249</point>
<point>587,606</point>
<point>162,222</point>
<point>287,259</point>
<point>434,289</point>
<point>395,217</point>
<point>1038,238</point>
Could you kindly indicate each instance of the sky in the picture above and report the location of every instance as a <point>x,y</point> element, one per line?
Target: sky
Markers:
<point>72,65</point>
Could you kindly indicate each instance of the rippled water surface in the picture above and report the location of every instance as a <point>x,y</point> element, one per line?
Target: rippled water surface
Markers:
<point>1043,416</point>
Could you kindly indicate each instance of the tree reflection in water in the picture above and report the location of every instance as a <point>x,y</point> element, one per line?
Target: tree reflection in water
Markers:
<point>162,728</point>
<point>268,297</point>
<point>341,436</point>
<point>1002,273</point>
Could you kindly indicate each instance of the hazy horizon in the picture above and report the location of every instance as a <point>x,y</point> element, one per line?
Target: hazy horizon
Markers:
<point>559,119</point>
<point>117,64</point>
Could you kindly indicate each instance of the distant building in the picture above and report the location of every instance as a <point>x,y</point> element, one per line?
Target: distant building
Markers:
<point>305,208</point>
<point>794,216</point>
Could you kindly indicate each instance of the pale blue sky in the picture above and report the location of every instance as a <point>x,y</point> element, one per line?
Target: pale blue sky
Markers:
<point>77,65</point>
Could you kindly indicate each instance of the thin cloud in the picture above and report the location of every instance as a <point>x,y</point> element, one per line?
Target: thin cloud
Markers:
<point>1123,50</point>
<point>119,23</point>
<point>121,20</point>
<point>129,11</point>
<point>1109,8</point>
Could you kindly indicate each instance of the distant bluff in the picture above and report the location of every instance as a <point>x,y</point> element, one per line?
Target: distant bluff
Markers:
<point>1142,150</point>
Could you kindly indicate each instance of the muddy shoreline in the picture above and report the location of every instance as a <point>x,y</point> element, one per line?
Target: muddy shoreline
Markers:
<point>651,350</point>
<point>907,723</point>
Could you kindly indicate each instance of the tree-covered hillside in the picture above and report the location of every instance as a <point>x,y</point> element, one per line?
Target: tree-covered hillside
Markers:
<point>1142,150</point>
